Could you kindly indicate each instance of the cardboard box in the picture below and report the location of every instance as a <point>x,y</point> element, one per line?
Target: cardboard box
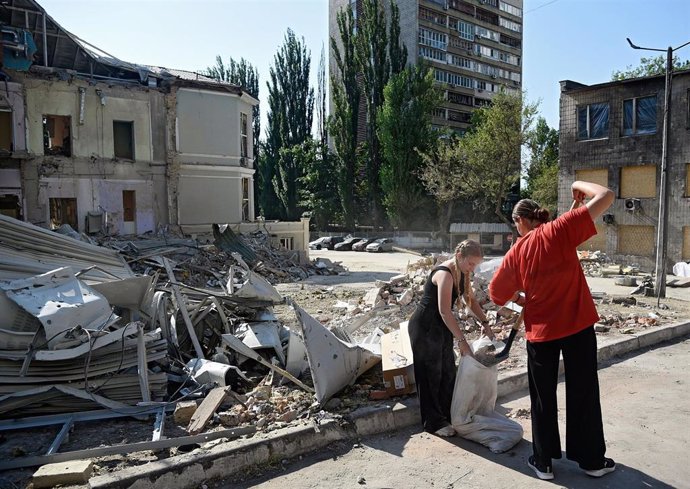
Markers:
<point>397,362</point>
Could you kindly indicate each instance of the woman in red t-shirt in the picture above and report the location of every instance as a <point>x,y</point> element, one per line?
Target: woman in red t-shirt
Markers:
<point>559,318</point>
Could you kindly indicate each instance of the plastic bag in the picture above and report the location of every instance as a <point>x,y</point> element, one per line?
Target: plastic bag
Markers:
<point>474,399</point>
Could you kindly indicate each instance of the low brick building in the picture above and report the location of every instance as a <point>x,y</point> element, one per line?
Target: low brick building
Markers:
<point>611,133</point>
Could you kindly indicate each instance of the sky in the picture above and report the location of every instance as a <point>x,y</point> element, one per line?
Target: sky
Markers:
<point>580,40</point>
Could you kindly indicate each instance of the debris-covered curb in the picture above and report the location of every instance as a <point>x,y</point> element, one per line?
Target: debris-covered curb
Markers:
<point>190,470</point>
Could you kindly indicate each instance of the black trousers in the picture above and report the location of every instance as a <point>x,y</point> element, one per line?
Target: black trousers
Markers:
<point>434,372</point>
<point>584,438</point>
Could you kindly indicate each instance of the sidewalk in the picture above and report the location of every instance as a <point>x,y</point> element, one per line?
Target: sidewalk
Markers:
<point>217,459</point>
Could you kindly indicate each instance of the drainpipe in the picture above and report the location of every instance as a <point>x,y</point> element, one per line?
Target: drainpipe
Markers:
<point>45,41</point>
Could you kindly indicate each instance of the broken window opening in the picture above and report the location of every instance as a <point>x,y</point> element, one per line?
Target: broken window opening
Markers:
<point>10,206</point>
<point>57,135</point>
<point>63,211</point>
<point>123,139</point>
<point>244,145</point>
<point>245,199</point>
<point>6,130</point>
<point>286,243</point>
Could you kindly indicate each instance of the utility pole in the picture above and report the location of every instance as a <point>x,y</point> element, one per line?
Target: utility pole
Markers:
<point>662,223</point>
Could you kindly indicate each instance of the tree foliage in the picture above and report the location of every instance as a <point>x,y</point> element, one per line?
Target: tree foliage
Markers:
<point>344,118</point>
<point>405,131</point>
<point>291,109</point>
<point>648,67</point>
<point>489,156</point>
<point>542,171</point>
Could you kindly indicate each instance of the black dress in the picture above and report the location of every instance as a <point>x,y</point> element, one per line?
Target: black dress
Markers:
<point>434,359</point>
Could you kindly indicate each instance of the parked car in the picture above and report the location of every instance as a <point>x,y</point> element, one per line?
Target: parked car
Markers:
<point>346,244</point>
<point>381,244</point>
<point>361,245</point>
<point>327,242</point>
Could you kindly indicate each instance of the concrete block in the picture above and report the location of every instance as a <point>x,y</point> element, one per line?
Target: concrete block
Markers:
<point>63,474</point>
<point>649,338</point>
<point>184,412</point>
<point>406,414</point>
<point>372,420</point>
<point>617,348</point>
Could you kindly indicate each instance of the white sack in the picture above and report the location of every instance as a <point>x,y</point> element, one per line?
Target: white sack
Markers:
<point>681,269</point>
<point>474,399</point>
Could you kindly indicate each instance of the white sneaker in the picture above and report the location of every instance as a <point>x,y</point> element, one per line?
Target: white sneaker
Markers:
<point>445,431</point>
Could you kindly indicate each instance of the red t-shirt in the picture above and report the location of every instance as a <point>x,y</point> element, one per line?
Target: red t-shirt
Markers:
<point>544,264</point>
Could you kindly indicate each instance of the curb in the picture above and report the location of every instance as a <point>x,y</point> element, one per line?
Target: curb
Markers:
<point>223,458</point>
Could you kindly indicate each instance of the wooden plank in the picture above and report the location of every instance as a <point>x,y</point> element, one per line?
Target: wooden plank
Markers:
<point>205,411</point>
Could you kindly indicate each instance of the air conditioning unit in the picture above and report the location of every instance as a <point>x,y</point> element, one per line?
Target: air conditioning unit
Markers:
<point>632,205</point>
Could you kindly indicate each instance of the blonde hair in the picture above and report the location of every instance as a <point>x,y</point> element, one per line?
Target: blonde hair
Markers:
<point>468,247</point>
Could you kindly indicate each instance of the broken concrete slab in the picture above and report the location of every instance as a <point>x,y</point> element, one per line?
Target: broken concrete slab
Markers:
<point>63,474</point>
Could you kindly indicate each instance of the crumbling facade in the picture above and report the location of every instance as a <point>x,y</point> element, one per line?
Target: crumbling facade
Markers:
<point>611,134</point>
<point>112,147</point>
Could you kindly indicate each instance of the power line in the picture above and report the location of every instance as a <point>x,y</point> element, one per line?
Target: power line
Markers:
<point>540,6</point>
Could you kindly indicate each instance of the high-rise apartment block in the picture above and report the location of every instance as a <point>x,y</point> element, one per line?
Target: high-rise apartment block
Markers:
<point>474,47</point>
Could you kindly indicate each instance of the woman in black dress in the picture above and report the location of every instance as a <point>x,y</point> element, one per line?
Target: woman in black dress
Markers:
<point>432,328</point>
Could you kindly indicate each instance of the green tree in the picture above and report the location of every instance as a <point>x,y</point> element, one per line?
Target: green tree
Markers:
<point>344,118</point>
<point>490,154</point>
<point>404,131</point>
<point>494,151</point>
<point>291,108</point>
<point>542,171</point>
<point>246,75</point>
<point>443,172</point>
<point>318,188</point>
<point>649,66</point>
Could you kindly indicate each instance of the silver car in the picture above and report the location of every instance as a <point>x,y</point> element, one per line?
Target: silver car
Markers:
<point>381,244</point>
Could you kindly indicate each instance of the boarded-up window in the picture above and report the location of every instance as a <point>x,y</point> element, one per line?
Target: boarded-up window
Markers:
<point>63,211</point>
<point>57,138</point>
<point>5,130</point>
<point>638,181</point>
<point>600,177</point>
<point>636,240</point>
<point>686,243</point>
<point>123,139</point>
<point>596,242</point>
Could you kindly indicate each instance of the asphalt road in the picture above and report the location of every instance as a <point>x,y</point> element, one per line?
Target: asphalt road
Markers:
<point>646,406</point>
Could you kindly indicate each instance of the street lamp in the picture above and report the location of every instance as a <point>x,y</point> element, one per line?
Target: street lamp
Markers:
<point>662,226</point>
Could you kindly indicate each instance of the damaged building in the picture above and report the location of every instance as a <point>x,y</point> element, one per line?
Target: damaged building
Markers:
<point>611,133</point>
<point>112,147</point>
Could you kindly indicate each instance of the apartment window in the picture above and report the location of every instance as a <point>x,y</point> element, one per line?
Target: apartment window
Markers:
<point>511,9</point>
<point>123,139</point>
<point>63,211</point>
<point>639,115</point>
<point>481,102</point>
<point>593,121</point>
<point>461,62</point>
<point>440,76</point>
<point>459,116</point>
<point>461,6</point>
<point>433,38</point>
<point>245,199</point>
<point>466,30</point>
<point>244,147</point>
<point>509,24</point>
<point>638,181</point>
<point>486,33</point>
<point>57,137</point>
<point>509,41</point>
<point>5,130</point>
<point>430,53</point>
<point>458,98</point>
<point>431,16</point>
